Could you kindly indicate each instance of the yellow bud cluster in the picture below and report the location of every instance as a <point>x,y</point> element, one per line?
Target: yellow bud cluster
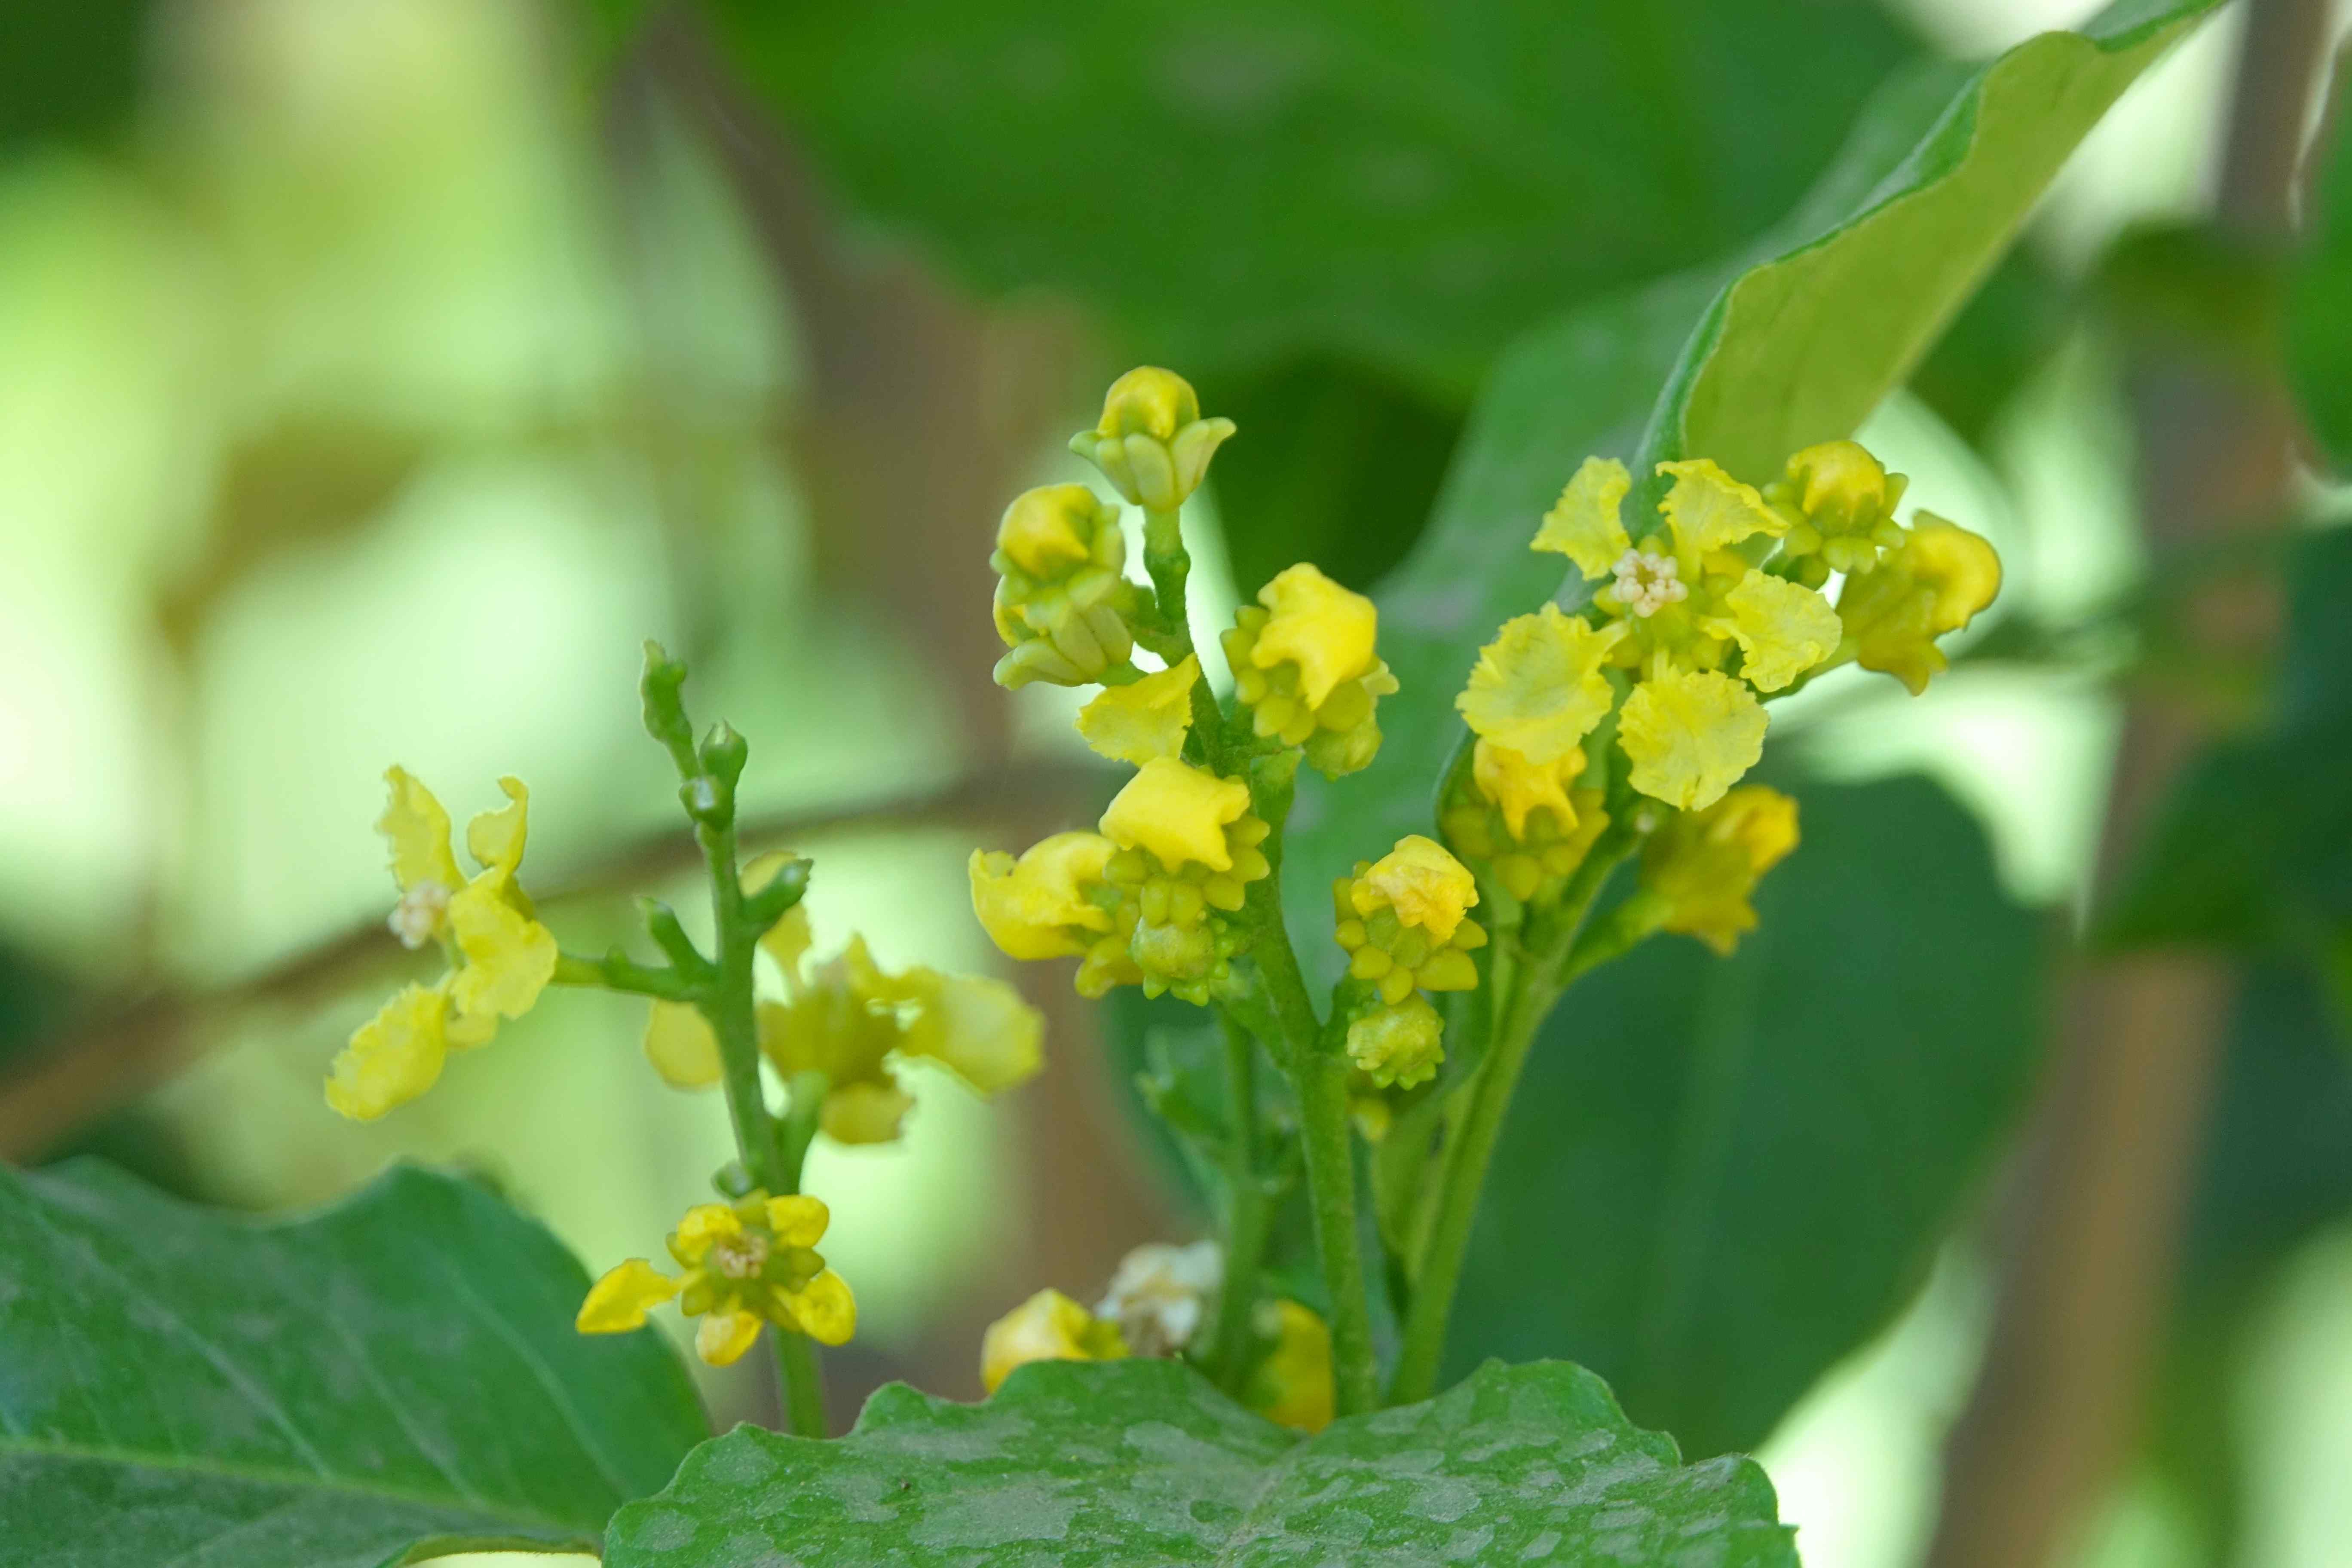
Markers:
<point>1063,605</point>
<point>1935,581</point>
<point>1151,443</point>
<point>1839,502</point>
<point>1522,820</point>
<point>1303,665</point>
<point>1701,867</point>
<point>1171,914</point>
<point>1403,922</point>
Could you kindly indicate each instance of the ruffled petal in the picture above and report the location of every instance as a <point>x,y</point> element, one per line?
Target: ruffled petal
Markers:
<point>1710,511</point>
<point>1178,813</point>
<point>393,1057</point>
<point>863,1112</point>
<point>495,838</point>
<point>1784,629</point>
<point>509,958</point>
<point>1587,524</point>
<point>417,828</point>
<point>1328,631</point>
<point>1690,736</point>
<point>1144,718</point>
<point>1426,887</point>
<point>980,1027</point>
<point>1539,687</point>
<point>1518,786</point>
<point>1037,907</point>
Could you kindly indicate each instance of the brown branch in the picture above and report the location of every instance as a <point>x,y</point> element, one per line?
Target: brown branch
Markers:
<point>112,1060</point>
<point>2093,1212</point>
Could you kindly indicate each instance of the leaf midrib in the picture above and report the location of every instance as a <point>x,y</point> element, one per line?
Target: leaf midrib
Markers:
<point>311,1480</point>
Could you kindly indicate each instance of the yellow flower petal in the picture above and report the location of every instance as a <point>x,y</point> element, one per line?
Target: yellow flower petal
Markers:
<point>1177,812</point>
<point>863,1112</point>
<point>1048,1326</point>
<point>1422,883</point>
<point>1144,718</point>
<point>788,941</point>
<point>700,1228</point>
<point>1586,524</point>
<point>825,1310</point>
<point>1960,568</point>
<point>1710,511</point>
<point>1690,736</point>
<point>1294,1386</point>
<point>495,838</point>
<point>509,958</point>
<point>393,1057</point>
<point>1783,628</point>
<point>620,1300</point>
<point>1519,786</point>
<point>722,1338</point>
<point>681,1046</point>
<point>1841,489</point>
<point>1538,688</point>
<point>978,1026</point>
<point>798,1219</point>
<point>1029,907</point>
<point>1326,630</point>
<point>419,830</point>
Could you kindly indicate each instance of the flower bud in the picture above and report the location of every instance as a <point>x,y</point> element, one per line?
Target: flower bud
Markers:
<point>1152,444</point>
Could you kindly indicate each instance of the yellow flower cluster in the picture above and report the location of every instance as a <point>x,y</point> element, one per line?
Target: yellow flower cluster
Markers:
<point>500,956</point>
<point>1404,921</point>
<point>853,1021</point>
<point>1304,666</point>
<point>1144,900</point>
<point>1687,631</point>
<point>745,1263</point>
<point>1062,603</point>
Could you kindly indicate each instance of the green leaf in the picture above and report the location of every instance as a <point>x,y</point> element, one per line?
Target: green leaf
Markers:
<point>1802,347</point>
<point>71,70</point>
<point>1719,1176</point>
<point>1142,1461</point>
<point>1408,185</point>
<point>182,1386</point>
<point>2320,323</point>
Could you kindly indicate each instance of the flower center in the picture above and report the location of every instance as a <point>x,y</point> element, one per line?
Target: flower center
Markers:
<point>740,1256</point>
<point>1647,582</point>
<point>418,914</point>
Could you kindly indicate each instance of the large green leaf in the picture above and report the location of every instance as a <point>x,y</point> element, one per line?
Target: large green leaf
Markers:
<point>1407,185</point>
<point>1142,1462</point>
<point>181,1385</point>
<point>71,70</point>
<point>1721,1174</point>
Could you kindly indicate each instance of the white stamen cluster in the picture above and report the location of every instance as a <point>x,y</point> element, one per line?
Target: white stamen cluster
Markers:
<point>1160,1296</point>
<point>417,916</point>
<point>1648,582</point>
<point>740,1256</point>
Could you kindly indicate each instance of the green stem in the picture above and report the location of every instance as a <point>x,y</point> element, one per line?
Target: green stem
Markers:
<point>1470,1150</point>
<point>1249,1214</point>
<point>1321,1078</point>
<point>727,1004</point>
<point>1165,560</point>
<point>616,972</point>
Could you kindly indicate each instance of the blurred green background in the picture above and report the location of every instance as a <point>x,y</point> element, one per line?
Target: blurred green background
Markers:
<point>375,375</point>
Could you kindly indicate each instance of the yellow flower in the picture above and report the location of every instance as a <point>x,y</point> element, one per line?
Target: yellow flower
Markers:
<point>1036,907</point>
<point>851,1021</point>
<point>1934,582</point>
<point>1047,530</point>
<point>1294,1385</point>
<point>1152,444</point>
<point>393,1057</point>
<point>1783,629</point>
<point>1304,666</point>
<point>745,1263</point>
<point>680,1044</point>
<point>1048,1326</point>
<point>1328,631</point>
<point>1424,885</point>
<point>1840,504</point>
<point>1586,524</point>
<point>1144,718</point>
<point>1690,736</point>
<point>1702,866</point>
<point>1398,1044</point>
<point>1177,812</point>
<point>501,956</point>
<point>1539,687</point>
